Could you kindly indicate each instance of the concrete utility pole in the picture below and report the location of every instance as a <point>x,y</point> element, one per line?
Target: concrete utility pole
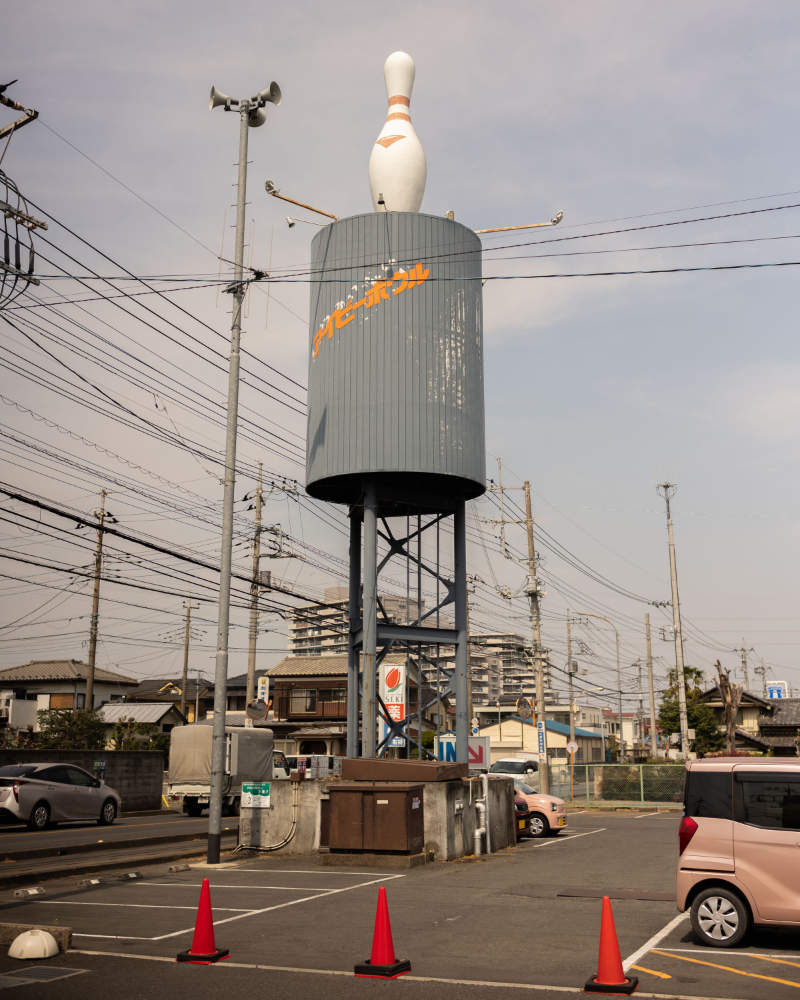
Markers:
<point>743,651</point>
<point>532,588</point>
<point>534,594</point>
<point>251,115</point>
<point>98,563</point>
<point>185,676</point>
<point>761,670</point>
<point>602,618</point>
<point>668,490</point>
<point>570,673</point>
<point>255,589</point>
<point>653,730</point>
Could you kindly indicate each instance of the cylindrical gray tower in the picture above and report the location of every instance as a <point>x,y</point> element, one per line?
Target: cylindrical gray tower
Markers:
<point>396,363</point>
<point>396,427</point>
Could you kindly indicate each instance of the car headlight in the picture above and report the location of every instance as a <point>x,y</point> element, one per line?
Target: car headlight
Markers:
<point>553,807</point>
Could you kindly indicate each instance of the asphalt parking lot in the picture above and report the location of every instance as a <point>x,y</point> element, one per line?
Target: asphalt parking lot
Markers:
<point>525,921</point>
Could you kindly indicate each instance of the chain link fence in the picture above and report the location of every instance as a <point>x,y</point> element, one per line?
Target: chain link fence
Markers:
<point>618,784</point>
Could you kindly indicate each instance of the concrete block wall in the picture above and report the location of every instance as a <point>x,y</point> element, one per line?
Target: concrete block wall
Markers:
<point>265,828</point>
<point>136,774</point>
<point>451,816</point>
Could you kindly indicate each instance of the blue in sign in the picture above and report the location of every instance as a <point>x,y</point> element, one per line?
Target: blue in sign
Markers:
<point>540,728</point>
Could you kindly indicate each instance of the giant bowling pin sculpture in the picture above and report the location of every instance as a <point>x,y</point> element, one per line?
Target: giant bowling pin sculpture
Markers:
<point>397,168</point>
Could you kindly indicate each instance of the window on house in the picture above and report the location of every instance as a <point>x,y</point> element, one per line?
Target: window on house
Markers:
<point>303,701</point>
<point>62,701</point>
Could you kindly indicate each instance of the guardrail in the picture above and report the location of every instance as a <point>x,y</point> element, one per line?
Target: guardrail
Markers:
<point>609,785</point>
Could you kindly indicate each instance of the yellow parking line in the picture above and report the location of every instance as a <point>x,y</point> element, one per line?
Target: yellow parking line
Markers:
<point>652,972</point>
<point>779,961</point>
<point>727,968</point>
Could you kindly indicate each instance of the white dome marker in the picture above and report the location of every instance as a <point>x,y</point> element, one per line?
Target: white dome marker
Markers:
<point>397,167</point>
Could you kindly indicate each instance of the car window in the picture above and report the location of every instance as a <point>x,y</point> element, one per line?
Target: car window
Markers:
<point>78,777</point>
<point>17,770</point>
<point>768,800</point>
<point>525,789</point>
<point>708,793</point>
<point>56,773</point>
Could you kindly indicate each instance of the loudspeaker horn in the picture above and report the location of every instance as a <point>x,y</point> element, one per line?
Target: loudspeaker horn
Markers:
<point>218,99</point>
<point>256,117</point>
<point>271,94</point>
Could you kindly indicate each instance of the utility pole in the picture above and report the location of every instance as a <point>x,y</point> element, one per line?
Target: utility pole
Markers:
<point>761,670</point>
<point>653,730</point>
<point>533,593</point>
<point>251,115</point>
<point>532,588</point>
<point>185,677</point>
<point>668,490</point>
<point>98,563</point>
<point>255,589</point>
<point>743,651</point>
<point>570,675</point>
<point>602,618</point>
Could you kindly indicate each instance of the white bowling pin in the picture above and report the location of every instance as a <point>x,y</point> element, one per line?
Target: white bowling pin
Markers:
<point>397,168</point>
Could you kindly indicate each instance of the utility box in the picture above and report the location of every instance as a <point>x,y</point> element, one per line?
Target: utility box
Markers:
<point>372,817</point>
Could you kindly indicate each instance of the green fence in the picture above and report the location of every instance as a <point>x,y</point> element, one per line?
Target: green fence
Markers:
<point>618,784</point>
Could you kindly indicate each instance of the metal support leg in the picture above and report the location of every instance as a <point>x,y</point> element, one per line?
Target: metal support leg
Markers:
<point>369,629</point>
<point>460,572</point>
<point>353,658</point>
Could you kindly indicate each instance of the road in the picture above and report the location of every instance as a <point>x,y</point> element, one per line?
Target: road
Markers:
<point>523,922</point>
<point>87,846</point>
<point>17,841</point>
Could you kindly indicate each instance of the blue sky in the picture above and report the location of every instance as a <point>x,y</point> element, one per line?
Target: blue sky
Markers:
<point>621,115</point>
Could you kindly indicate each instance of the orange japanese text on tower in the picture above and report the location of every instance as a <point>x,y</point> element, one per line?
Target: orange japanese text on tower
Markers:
<point>378,292</point>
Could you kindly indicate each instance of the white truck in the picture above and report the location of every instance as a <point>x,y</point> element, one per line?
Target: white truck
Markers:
<point>248,757</point>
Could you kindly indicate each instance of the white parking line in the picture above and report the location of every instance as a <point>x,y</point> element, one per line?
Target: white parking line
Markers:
<point>530,987</point>
<point>220,885</point>
<point>133,906</point>
<point>239,914</point>
<point>570,836</point>
<point>302,871</point>
<point>653,941</point>
<point>281,906</point>
<point>645,815</point>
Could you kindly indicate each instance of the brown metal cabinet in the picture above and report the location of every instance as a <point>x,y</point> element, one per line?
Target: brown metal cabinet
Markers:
<point>372,817</point>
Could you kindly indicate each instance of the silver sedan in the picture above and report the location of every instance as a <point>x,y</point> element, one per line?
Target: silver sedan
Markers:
<point>45,793</point>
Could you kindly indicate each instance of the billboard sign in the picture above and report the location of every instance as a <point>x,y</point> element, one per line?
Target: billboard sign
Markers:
<point>778,689</point>
<point>541,737</point>
<point>393,693</point>
<point>479,757</point>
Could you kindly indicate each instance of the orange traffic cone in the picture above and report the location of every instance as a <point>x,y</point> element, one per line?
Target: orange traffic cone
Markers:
<point>382,963</point>
<point>203,950</point>
<point>610,976</point>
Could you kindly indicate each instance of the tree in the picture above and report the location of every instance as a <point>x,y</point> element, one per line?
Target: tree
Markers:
<point>612,747</point>
<point>70,729</point>
<point>731,698</point>
<point>701,717</point>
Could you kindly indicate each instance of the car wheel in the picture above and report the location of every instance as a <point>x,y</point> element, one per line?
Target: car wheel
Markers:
<point>193,809</point>
<point>719,917</point>
<point>539,825</point>
<point>108,813</point>
<point>39,817</point>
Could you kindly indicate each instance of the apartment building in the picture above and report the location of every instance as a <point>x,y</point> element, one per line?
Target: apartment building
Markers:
<point>322,629</point>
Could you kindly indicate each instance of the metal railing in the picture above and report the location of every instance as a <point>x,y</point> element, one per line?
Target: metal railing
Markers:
<point>658,785</point>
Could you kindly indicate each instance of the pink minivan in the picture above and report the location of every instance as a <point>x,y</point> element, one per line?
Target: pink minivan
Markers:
<point>739,843</point>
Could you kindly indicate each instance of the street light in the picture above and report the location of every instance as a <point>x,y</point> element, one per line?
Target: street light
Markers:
<point>251,115</point>
<point>602,618</point>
